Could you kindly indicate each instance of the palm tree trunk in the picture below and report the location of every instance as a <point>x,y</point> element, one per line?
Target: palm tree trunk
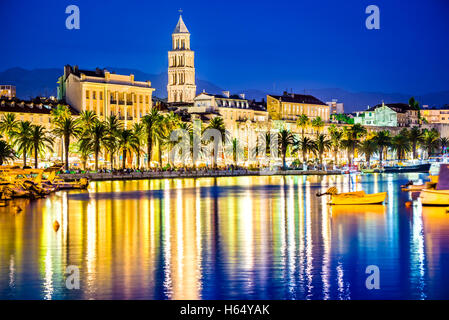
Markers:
<point>149,150</point>
<point>96,160</point>
<point>414,150</point>
<point>35,157</point>
<point>138,158</point>
<point>66,150</point>
<point>124,159</point>
<point>24,158</point>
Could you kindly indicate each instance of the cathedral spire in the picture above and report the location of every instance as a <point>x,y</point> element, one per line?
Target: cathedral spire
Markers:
<point>181,26</point>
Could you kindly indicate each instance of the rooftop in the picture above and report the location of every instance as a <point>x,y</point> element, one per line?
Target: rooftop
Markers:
<point>298,98</point>
<point>37,105</point>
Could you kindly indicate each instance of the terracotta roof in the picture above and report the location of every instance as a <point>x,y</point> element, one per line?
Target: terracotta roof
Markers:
<point>37,105</point>
<point>298,98</point>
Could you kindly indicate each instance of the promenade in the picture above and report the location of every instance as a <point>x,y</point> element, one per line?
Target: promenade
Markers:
<point>94,176</point>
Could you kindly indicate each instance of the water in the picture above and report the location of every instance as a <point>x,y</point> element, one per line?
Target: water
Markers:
<point>225,238</point>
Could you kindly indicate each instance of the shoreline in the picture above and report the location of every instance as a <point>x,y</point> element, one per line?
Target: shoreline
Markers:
<point>206,174</point>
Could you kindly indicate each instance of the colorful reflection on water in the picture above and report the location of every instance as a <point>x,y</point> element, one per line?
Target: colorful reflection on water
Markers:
<point>225,238</point>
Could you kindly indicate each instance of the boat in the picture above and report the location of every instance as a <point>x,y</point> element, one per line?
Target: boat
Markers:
<point>354,198</point>
<point>440,195</point>
<point>403,169</point>
<point>375,170</point>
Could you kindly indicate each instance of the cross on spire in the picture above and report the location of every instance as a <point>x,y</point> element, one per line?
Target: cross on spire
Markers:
<point>180,11</point>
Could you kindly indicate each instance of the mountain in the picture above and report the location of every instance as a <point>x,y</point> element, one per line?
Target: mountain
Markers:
<point>42,82</point>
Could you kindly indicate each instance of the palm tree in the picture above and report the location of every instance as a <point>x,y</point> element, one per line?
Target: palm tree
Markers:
<point>303,122</point>
<point>336,136</point>
<point>383,141</point>
<point>95,138</point>
<point>8,125</point>
<point>113,126</point>
<point>415,136</point>
<point>22,139</point>
<point>40,140</point>
<point>317,124</point>
<point>58,114</point>
<point>322,145</point>
<point>150,122</point>
<point>87,118</point>
<point>6,152</point>
<point>401,144</point>
<point>353,136</point>
<point>368,147</point>
<point>430,141</point>
<point>444,141</point>
<point>305,145</point>
<point>139,132</point>
<point>127,142</point>
<point>235,149</point>
<point>67,127</point>
<point>285,139</point>
<point>217,124</point>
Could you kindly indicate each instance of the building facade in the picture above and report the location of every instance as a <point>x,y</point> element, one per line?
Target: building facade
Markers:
<point>106,93</point>
<point>290,105</point>
<point>336,107</point>
<point>7,91</point>
<point>434,115</point>
<point>181,67</point>
<point>391,115</point>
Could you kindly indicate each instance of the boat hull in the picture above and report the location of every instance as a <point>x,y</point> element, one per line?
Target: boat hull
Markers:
<point>417,168</point>
<point>435,197</point>
<point>358,198</point>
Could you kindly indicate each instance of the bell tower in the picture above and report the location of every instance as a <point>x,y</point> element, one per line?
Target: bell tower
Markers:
<point>181,66</point>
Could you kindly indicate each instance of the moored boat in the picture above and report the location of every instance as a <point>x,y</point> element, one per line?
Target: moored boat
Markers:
<point>354,198</point>
<point>440,195</point>
<point>404,169</point>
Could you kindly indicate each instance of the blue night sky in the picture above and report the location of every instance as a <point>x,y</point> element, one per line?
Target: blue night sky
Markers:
<point>267,45</point>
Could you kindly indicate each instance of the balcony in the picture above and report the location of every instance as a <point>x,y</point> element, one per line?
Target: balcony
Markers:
<point>113,101</point>
<point>129,103</point>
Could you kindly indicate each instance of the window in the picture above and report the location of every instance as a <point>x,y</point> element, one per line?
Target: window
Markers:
<point>101,95</point>
<point>94,95</point>
<point>87,94</point>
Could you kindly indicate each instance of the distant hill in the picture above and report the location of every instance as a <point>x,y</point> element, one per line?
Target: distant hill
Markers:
<point>42,82</point>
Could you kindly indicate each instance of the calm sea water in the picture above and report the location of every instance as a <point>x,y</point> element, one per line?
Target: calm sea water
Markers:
<point>225,238</point>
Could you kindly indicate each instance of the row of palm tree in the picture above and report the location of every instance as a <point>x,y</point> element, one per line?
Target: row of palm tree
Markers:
<point>95,137</point>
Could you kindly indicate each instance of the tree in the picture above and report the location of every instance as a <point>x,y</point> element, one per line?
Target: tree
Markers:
<point>443,144</point>
<point>58,114</point>
<point>6,152</point>
<point>305,145</point>
<point>415,135</point>
<point>235,150</point>
<point>94,139</point>
<point>303,122</point>
<point>127,142</point>
<point>87,118</point>
<point>150,122</point>
<point>217,124</point>
<point>67,128</point>
<point>368,147</point>
<point>401,144</point>
<point>383,141</point>
<point>285,139</point>
<point>322,145</point>
<point>415,106</point>
<point>430,141</point>
<point>336,135</point>
<point>8,125</point>
<point>22,139</point>
<point>113,126</point>
<point>352,138</point>
<point>139,132</point>
<point>40,140</point>
<point>317,124</point>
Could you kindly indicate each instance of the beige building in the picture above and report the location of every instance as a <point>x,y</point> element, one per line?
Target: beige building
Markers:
<point>232,108</point>
<point>434,115</point>
<point>106,93</point>
<point>181,67</point>
<point>7,91</point>
<point>290,105</point>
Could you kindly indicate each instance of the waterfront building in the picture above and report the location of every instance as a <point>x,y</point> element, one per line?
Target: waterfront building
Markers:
<point>388,115</point>
<point>37,111</point>
<point>7,91</point>
<point>181,86</point>
<point>336,107</point>
<point>436,115</point>
<point>105,93</point>
<point>290,105</point>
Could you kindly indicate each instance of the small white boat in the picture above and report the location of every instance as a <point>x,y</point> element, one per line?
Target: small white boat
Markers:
<point>440,195</point>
